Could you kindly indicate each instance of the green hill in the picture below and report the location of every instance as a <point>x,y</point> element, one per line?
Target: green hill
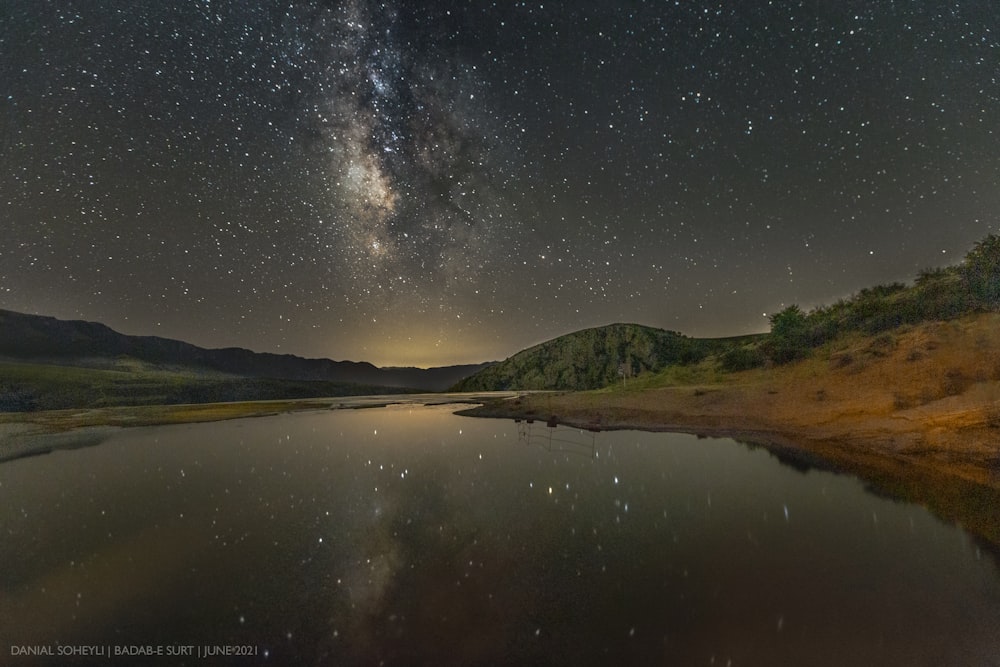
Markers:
<point>37,339</point>
<point>27,387</point>
<point>595,358</point>
<point>592,358</point>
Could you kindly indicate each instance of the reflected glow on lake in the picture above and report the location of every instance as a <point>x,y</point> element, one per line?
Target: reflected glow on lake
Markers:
<point>407,535</point>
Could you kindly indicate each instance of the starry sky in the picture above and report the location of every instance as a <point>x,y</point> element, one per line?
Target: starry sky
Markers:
<point>429,183</point>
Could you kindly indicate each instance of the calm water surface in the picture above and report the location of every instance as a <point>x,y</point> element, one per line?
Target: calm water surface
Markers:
<point>408,535</point>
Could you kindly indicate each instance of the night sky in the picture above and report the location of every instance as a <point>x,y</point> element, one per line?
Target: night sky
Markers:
<point>428,183</point>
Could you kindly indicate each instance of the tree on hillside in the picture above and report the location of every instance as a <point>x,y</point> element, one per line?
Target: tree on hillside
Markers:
<point>789,335</point>
<point>741,358</point>
<point>940,294</point>
<point>931,276</point>
<point>981,271</point>
<point>788,323</point>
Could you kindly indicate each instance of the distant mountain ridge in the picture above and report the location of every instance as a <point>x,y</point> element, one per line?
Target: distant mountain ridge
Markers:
<point>591,358</point>
<point>47,339</point>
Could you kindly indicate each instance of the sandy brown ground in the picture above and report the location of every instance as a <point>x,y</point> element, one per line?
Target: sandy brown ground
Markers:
<point>915,412</point>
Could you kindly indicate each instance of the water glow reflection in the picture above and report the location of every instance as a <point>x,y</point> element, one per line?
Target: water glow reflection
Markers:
<point>411,536</point>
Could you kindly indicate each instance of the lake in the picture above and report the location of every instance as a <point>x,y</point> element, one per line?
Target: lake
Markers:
<point>408,535</point>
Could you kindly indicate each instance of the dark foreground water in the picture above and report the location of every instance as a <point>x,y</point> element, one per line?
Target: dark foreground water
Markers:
<point>410,536</point>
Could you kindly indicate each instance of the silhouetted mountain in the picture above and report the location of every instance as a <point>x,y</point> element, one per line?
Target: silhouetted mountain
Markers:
<point>591,358</point>
<point>75,342</point>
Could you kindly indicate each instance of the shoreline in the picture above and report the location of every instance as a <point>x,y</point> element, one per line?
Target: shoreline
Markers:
<point>954,472</point>
<point>863,437</point>
<point>24,434</point>
<point>951,473</point>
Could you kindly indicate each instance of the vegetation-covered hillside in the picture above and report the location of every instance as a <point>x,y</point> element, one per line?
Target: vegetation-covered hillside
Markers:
<point>51,364</point>
<point>937,294</point>
<point>40,340</point>
<point>26,387</point>
<point>591,358</point>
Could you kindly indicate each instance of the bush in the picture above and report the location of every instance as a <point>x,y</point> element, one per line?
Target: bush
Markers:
<point>789,335</point>
<point>742,359</point>
<point>993,417</point>
<point>980,272</point>
<point>788,323</point>
<point>17,400</point>
<point>955,382</point>
<point>941,294</point>
<point>928,277</point>
<point>883,322</point>
<point>690,354</point>
<point>841,360</point>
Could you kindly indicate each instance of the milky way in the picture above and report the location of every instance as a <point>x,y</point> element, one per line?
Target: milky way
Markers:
<point>408,199</point>
<point>433,183</point>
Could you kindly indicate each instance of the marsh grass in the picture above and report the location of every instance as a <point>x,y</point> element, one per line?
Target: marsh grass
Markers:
<point>27,387</point>
<point>155,415</point>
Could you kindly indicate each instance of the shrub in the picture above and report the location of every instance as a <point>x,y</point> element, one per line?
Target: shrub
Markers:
<point>741,359</point>
<point>788,323</point>
<point>883,322</point>
<point>841,360</point>
<point>789,335</point>
<point>955,382</point>
<point>927,277</point>
<point>885,341</point>
<point>901,402</point>
<point>17,400</point>
<point>980,271</point>
<point>993,417</point>
<point>880,291</point>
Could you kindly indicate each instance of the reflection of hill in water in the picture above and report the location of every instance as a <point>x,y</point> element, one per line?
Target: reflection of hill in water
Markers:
<point>974,506</point>
<point>797,459</point>
<point>17,442</point>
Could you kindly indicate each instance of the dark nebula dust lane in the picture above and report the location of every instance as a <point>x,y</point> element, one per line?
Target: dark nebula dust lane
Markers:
<point>440,182</point>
